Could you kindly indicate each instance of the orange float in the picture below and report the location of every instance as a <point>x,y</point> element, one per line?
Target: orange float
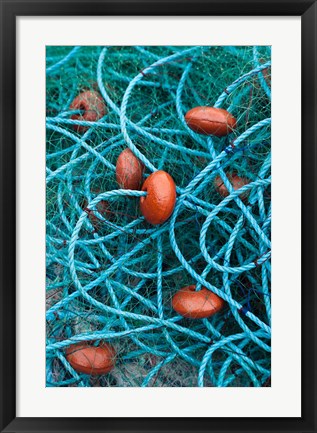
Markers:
<point>88,359</point>
<point>129,170</point>
<point>196,304</point>
<point>210,121</point>
<point>158,205</point>
<point>236,181</point>
<point>91,104</point>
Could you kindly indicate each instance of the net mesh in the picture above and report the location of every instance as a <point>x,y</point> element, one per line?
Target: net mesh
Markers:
<point>111,275</point>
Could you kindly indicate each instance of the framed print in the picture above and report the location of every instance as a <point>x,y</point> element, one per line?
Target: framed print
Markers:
<point>158,216</point>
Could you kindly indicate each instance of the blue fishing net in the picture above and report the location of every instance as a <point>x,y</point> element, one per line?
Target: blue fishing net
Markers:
<point>111,275</point>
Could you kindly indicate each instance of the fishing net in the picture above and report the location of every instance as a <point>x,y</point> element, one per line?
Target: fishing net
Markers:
<point>111,275</point>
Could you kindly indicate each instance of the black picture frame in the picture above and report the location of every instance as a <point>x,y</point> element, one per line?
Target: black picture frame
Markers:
<point>307,10</point>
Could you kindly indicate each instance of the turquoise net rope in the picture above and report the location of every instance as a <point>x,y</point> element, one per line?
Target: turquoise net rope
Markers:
<point>111,275</point>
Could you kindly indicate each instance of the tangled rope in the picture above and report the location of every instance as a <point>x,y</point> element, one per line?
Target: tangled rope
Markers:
<point>110,274</point>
